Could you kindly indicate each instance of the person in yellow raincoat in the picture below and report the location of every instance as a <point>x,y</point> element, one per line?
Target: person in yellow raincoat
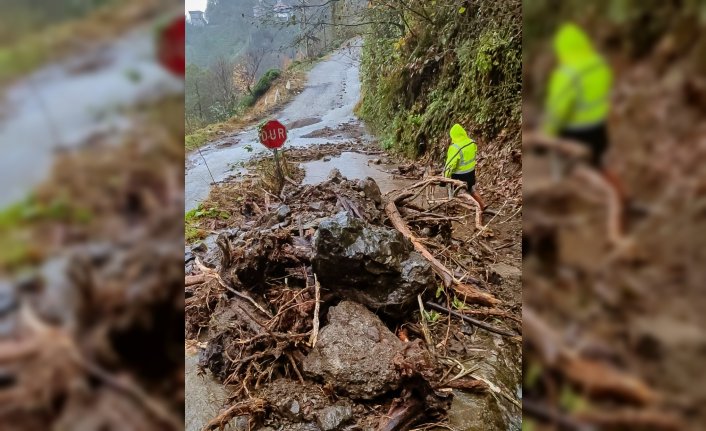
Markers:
<point>578,97</point>
<point>461,161</point>
<point>578,101</point>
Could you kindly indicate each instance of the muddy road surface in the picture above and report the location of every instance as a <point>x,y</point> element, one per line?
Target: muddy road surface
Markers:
<point>64,105</point>
<point>322,113</point>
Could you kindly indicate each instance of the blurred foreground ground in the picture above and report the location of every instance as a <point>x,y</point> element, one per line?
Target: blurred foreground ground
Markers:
<point>91,309</point>
<point>614,337</point>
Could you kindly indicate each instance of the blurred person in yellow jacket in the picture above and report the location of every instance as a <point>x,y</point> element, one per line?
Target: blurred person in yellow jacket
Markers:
<point>578,99</point>
<point>461,161</point>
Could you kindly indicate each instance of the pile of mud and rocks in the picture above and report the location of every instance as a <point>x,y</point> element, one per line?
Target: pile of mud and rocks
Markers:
<point>316,313</point>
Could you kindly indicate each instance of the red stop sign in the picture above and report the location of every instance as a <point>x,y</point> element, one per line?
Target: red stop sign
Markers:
<point>273,134</point>
<point>170,46</point>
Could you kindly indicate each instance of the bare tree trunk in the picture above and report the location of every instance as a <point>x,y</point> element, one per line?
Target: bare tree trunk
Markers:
<point>198,98</point>
<point>305,23</point>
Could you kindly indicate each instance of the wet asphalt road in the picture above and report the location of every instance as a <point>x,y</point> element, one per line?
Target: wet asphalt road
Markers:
<point>331,93</point>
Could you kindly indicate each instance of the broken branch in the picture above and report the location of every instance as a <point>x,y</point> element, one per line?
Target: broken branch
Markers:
<point>470,320</point>
<point>470,293</point>
<point>596,378</point>
<point>315,330</point>
<point>255,405</point>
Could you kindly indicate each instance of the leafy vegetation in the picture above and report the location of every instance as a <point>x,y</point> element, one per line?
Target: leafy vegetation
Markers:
<point>31,210</point>
<point>429,65</point>
<point>16,220</point>
<point>265,82</point>
<point>193,231</point>
<point>431,317</point>
<point>20,18</point>
<point>260,88</point>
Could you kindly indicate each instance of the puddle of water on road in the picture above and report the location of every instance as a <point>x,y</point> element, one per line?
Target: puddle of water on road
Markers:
<point>354,166</point>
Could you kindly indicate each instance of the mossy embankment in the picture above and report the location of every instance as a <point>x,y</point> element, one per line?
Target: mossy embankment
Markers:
<point>436,63</point>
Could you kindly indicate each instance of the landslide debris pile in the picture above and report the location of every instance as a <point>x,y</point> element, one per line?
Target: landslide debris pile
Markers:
<point>308,311</point>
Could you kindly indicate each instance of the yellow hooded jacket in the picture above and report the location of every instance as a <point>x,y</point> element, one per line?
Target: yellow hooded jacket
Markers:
<point>579,88</point>
<point>461,156</point>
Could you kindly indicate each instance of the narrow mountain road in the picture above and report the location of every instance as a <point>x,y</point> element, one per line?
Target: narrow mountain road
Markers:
<point>63,105</point>
<point>331,93</point>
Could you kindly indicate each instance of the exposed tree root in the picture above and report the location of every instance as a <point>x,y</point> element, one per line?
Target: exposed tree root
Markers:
<point>469,293</point>
<point>250,407</point>
<point>596,378</point>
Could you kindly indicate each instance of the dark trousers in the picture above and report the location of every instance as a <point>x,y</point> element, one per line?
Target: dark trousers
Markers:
<point>468,177</point>
<point>595,138</point>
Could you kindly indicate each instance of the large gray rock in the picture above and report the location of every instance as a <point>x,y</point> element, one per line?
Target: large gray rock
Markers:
<point>373,265</point>
<point>355,352</point>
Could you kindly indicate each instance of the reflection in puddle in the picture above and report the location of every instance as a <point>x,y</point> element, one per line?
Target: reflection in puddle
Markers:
<point>354,166</point>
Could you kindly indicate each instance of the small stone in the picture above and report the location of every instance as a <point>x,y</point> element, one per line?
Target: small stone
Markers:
<point>376,161</point>
<point>506,272</point>
<point>242,423</point>
<point>327,158</point>
<point>361,194</point>
<point>316,206</point>
<point>333,417</point>
<point>200,248</point>
<point>371,189</point>
<point>294,407</point>
<point>8,298</point>
<point>426,232</point>
<point>282,212</point>
<point>335,176</point>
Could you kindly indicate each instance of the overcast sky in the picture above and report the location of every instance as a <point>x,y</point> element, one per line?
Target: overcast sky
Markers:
<point>195,5</point>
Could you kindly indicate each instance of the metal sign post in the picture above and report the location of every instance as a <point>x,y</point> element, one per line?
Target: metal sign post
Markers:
<point>280,175</point>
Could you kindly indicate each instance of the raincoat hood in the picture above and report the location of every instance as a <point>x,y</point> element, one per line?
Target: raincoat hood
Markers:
<point>459,135</point>
<point>570,42</point>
